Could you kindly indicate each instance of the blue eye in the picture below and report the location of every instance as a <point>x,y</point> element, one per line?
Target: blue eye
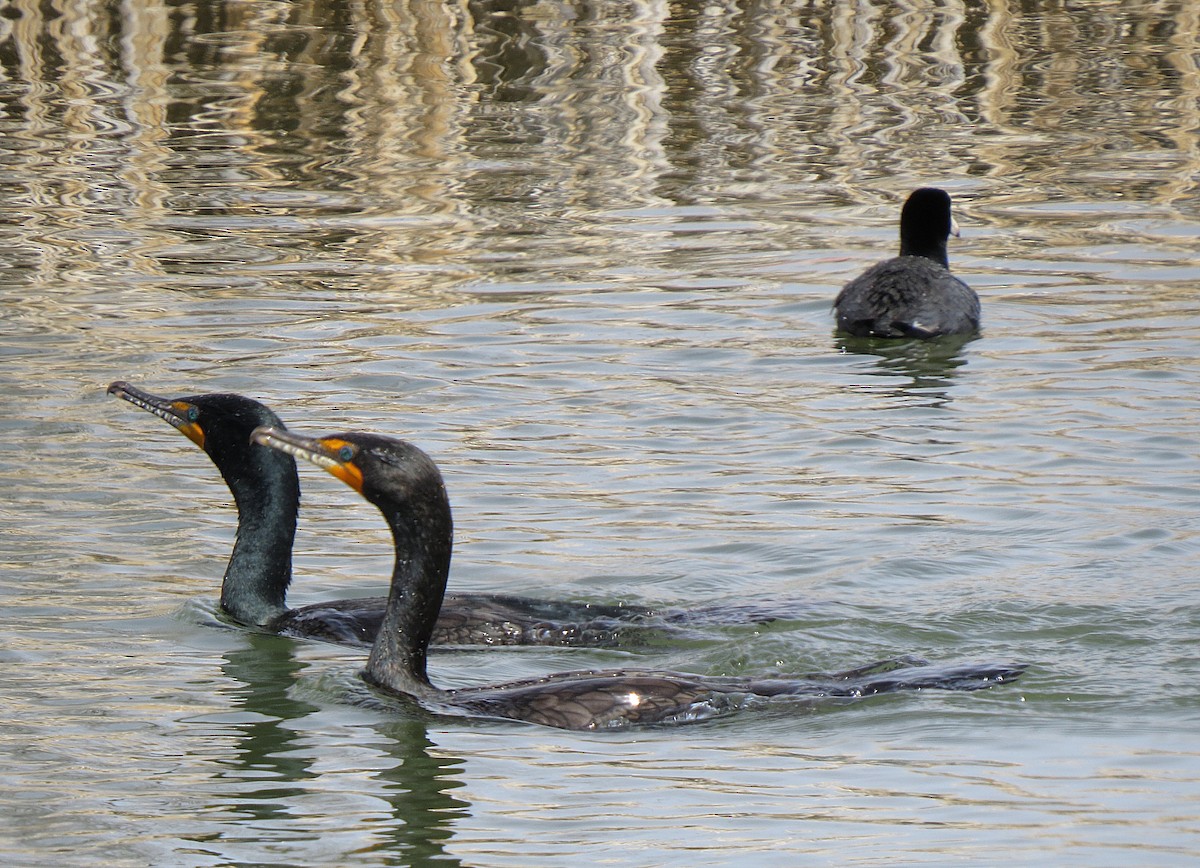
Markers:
<point>193,413</point>
<point>345,453</point>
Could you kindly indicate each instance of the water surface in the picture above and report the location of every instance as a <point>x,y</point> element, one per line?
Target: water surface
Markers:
<point>584,256</point>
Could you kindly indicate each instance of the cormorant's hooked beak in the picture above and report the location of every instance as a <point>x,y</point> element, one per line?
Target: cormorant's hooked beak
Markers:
<point>332,453</point>
<point>181,414</point>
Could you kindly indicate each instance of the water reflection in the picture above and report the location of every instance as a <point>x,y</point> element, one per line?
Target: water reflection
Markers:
<point>929,365</point>
<point>182,122</point>
<point>278,759</point>
<point>266,756</point>
<point>418,787</point>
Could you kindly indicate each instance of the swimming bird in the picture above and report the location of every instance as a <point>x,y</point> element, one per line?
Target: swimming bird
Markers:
<point>406,486</point>
<point>266,491</point>
<point>912,295</point>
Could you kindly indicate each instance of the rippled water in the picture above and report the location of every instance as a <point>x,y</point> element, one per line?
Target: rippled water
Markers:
<point>584,256</point>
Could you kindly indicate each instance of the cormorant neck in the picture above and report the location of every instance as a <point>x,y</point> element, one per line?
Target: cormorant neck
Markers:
<point>266,489</point>
<point>422,531</point>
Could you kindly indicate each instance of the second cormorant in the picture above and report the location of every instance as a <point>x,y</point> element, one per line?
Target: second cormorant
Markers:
<point>406,486</point>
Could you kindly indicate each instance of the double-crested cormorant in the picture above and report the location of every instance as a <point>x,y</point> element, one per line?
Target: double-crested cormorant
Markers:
<point>266,489</point>
<point>912,295</point>
<point>406,486</point>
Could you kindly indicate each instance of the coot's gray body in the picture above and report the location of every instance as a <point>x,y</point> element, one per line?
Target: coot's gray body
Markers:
<point>912,295</point>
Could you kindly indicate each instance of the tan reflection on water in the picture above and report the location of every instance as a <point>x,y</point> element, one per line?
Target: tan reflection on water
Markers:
<point>401,108</point>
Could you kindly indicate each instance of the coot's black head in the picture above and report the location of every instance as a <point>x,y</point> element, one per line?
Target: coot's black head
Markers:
<point>925,224</point>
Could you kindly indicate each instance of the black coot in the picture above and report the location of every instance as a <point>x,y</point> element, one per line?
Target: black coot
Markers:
<point>912,295</point>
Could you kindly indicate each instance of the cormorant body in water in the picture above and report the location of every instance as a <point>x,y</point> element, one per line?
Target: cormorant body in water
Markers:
<point>266,490</point>
<point>406,486</point>
<point>912,295</point>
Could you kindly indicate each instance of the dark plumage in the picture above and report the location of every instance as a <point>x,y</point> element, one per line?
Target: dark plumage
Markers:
<point>912,295</point>
<point>266,490</point>
<point>406,486</point>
